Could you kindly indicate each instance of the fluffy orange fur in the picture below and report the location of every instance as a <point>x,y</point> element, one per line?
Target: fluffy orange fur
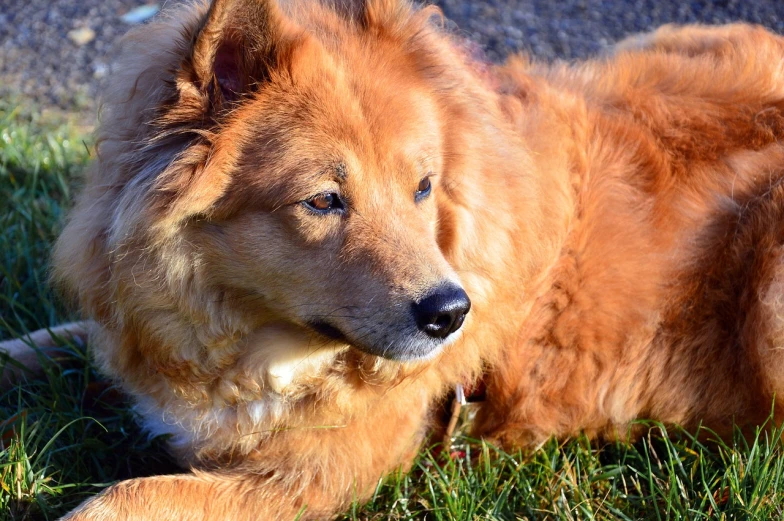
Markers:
<point>617,224</point>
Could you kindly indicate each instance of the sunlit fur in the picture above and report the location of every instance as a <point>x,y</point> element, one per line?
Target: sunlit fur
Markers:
<point>617,225</point>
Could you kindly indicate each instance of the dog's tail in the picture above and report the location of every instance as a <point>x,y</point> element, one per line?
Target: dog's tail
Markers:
<point>27,355</point>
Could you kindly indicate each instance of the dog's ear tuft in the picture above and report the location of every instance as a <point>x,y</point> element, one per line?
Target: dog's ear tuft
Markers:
<point>376,14</point>
<point>235,47</point>
<point>386,14</point>
<point>353,10</point>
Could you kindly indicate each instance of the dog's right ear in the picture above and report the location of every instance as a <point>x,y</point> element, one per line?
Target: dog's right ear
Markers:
<point>234,49</point>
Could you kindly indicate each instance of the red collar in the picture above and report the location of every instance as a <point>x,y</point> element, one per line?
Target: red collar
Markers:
<point>471,393</point>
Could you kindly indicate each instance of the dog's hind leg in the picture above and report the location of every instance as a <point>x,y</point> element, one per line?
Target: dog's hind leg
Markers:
<point>766,326</point>
<point>27,354</point>
<point>759,238</point>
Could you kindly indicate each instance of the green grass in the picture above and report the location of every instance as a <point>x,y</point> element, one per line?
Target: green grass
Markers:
<point>67,434</point>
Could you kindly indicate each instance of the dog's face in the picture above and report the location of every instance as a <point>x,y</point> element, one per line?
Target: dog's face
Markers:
<point>327,215</point>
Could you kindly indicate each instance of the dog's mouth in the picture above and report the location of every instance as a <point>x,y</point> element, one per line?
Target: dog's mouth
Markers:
<point>329,331</point>
<point>402,351</point>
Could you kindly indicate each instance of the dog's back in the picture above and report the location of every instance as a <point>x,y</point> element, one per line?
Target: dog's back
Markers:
<point>666,302</point>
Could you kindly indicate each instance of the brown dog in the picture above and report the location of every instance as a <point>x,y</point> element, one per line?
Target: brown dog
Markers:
<point>293,210</point>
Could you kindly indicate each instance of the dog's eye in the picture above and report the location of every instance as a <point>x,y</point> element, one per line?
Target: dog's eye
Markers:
<point>325,202</point>
<point>423,190</point>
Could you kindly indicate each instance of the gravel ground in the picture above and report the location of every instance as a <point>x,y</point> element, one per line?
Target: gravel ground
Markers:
<point>39,60</point>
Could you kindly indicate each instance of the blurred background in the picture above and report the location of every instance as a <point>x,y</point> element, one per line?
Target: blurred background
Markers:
<point>56,52</point>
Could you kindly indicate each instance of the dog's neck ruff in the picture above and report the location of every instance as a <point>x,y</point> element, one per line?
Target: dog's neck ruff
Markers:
<point>277,367</point>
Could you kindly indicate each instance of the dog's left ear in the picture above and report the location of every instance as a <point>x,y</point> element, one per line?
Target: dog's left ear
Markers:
<point>235,48</point>
<point>227,55</point>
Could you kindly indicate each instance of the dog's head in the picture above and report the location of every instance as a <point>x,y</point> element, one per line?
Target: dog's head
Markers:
<point>293,166</point>
<point>344,242</point>
<point>329,215</point>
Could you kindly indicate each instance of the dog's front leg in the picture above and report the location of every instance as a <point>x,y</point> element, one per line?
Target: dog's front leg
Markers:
<point>194,497</point>
<point>306,472</point>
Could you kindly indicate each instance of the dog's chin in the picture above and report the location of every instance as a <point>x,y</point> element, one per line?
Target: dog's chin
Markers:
<point>422,349</point>
<point>408,353</point>
<point>412,348</point>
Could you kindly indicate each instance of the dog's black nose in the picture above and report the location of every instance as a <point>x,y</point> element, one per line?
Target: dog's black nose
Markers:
<point>442,311</point>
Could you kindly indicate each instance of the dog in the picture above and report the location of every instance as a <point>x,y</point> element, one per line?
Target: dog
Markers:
<point>307,223</point>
